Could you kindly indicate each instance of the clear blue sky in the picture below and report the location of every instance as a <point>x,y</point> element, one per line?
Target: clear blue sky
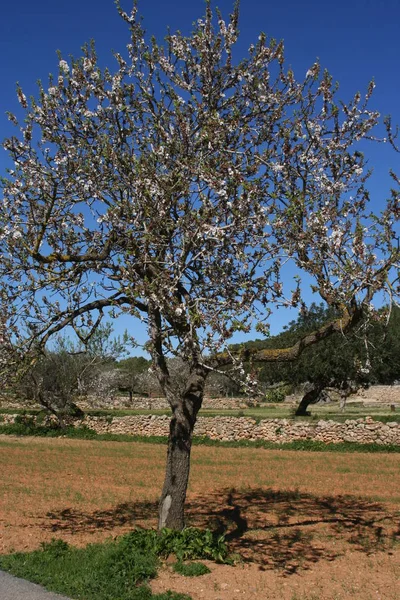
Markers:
<point>354,39</point>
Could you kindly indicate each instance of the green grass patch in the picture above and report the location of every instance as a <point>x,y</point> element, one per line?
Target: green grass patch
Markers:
<point>20,411</point>
<point>117,568</point>
<point>97,572</point>
<point>304,445</point>
<point>128,412</point>
<point>191,569</point>
<point>330,411</point>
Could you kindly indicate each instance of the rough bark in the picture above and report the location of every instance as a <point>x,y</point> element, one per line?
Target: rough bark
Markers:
<point>311,396</point>
<point>184,413</point>
<point>171,511</point>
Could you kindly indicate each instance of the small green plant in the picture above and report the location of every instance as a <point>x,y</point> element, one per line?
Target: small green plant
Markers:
<point>189,544</point>
<point>275,395</point>
<point>56,548</point>
<point>191,569</point>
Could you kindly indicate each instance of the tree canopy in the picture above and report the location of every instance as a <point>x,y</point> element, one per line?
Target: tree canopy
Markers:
<point>68,371</point>
<point>370,352</point>
<point>367,354</point>
<point>176,188</point>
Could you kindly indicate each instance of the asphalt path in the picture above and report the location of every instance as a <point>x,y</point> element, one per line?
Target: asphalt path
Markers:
<point>14,588</point>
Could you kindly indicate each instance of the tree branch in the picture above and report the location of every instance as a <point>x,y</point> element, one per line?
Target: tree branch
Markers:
<point>70,316</point>
<point>348,320</point>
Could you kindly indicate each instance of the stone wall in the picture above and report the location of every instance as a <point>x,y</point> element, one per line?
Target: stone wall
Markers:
<point>362,431</point>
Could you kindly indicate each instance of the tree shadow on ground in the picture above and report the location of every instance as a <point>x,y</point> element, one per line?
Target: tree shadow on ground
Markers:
<point>284,530</point>
<point>75,521</point>
<point>292,530</point>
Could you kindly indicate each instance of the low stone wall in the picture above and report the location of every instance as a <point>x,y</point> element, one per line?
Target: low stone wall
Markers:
<point>361,431</point>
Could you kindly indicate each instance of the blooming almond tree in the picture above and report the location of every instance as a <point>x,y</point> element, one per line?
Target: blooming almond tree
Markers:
<point>177,189</point>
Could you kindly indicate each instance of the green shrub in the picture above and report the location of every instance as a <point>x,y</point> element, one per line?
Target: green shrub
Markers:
<point>275,395</point>
<point>82,432</point>
<point>189,544</point>
<point>27,426</point>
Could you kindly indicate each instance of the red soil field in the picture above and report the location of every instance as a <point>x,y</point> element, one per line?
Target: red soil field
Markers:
<point>304,525</point>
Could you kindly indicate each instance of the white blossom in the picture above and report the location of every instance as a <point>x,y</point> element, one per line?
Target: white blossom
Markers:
<point>64,67</point>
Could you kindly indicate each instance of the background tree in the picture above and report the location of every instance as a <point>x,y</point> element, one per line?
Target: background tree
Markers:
<point>70,371</point>
<point>366,355</point>
<point>219,384</point>
<point>175,189</point>
<point>336,362</point>
<point>385,350</point>
<point>137,377</point>
<point>131,374</point>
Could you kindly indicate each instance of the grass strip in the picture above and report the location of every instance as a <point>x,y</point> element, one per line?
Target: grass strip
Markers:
<point>257,414</point>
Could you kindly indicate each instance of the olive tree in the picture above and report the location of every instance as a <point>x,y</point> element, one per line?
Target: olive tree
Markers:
<point>70,370</point>
<point>132,373</point>
<point>177,188</point>
<point>342,362</point>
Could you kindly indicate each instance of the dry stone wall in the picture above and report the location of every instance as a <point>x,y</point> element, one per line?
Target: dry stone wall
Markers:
<point>361,431</point>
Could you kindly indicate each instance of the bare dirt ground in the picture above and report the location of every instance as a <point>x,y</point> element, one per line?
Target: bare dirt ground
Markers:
<point>304,526</point>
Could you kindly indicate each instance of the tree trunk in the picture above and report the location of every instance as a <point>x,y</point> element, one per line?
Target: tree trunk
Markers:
<point>173,495</point>
<point>343,399</point>
<point>311,396</point>
<point>184,413</point>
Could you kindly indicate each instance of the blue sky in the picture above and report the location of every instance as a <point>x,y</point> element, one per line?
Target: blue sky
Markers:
<point>354,39</point>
